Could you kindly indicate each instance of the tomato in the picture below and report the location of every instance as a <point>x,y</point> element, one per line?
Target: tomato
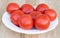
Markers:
<point>34,14</point>
<point>51,13</point>
<point>15,15</point>
<point>42,8</point>
<point>12,7</point>
<point>42,22</point>
<point>26,22</point>
<point>27,8</point>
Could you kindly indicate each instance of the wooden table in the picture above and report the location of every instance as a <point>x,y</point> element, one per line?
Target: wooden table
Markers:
<point>7,33</point>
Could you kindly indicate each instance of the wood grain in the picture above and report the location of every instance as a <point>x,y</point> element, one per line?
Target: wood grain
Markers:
<point>7,33</point>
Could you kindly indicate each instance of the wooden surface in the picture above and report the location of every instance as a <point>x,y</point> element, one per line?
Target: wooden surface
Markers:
<point>7,33</point>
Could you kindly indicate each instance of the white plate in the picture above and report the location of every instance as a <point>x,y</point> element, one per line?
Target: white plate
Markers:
<point>6,20</point>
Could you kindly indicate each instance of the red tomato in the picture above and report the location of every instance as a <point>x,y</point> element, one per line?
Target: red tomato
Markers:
<point>51,13</point>
<point>42,8</point>
<point>15,15</point>
<point>12,7</point>
<point>26,22</point>
<point>42,22</point>
<point>27,8</point>
<point>34,14</point>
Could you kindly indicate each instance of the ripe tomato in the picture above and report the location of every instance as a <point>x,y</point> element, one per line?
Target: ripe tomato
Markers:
<point>42,22</point>
<point>12,7</point>
<point>26,22</point>
<point>51,13</point>
<point>15,15</point>
<point>27,8</point>
<point>34,14</point>
<point>42,8</point>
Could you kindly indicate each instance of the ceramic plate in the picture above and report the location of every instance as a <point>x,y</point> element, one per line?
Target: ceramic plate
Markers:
<point>6,20</point>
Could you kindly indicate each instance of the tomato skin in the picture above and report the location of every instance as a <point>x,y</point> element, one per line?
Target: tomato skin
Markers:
<point>51,13</point>
<point>42,22</point>
<point>42,8</point>
<point>27,8</point>
<point>12,7</point>
<point>34,14</point>
<point>15,16</point>
<point>26,22</point>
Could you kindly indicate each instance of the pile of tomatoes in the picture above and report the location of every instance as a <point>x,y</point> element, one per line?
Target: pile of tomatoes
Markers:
<point>27,17</point>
